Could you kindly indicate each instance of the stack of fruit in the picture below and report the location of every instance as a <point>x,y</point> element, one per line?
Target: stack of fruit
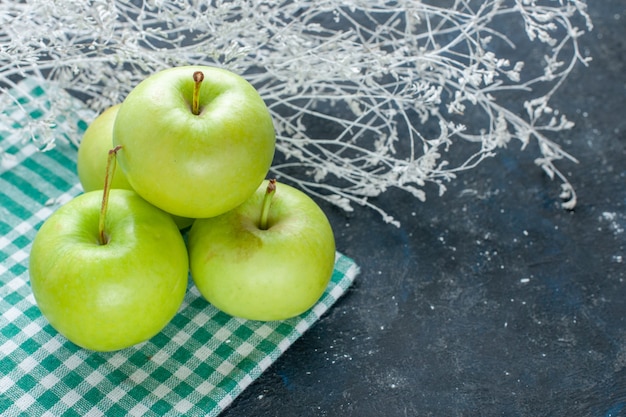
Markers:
<point>110,268</point>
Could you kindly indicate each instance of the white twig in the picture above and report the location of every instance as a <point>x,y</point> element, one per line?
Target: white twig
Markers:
<point>365,96</point>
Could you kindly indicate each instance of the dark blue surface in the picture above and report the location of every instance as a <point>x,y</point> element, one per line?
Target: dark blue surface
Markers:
<point>489,301</point>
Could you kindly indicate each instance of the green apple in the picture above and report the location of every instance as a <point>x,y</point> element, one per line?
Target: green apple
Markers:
<point>92,158</point>
<point>108,291</point>
<point>190,133</point>
<point>92,153</point>
<point>270,258</point>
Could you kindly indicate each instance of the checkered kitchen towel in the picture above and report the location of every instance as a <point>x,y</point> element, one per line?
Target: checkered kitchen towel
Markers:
<point>196,366</point>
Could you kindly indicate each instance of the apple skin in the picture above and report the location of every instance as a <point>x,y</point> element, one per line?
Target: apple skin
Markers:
<point>92,158</point>
<point>182,162</point>
<point>112,296</point>
<point>271,274</point>
<point>92,153</point>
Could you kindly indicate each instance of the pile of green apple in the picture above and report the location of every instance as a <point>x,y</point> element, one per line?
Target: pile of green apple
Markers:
<point>110,268</point>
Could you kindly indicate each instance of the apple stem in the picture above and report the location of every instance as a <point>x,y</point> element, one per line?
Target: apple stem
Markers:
<point>108,178</point>
<point>267,201</point>
<point>198,77</point>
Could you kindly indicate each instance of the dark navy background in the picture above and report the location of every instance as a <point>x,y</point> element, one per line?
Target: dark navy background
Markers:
<point>491,300</point>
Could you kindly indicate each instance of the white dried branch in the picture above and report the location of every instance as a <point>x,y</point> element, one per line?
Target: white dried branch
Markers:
<point>365,96</point>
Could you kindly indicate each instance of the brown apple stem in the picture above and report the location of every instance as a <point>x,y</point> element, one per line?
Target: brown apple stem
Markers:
<point>198,77</point>
<point>108,178</point>
<point>267,201</point>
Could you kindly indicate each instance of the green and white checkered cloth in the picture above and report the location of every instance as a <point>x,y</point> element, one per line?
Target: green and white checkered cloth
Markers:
<point>195,367</point>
